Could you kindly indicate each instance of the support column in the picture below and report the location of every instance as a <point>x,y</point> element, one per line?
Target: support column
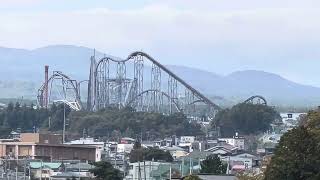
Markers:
<point>17,152</point>
<point>33,151</point>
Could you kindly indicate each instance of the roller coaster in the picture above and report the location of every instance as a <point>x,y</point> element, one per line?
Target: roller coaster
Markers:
<point>164,92</point>
<point>59,88</point>
<point>138,81</point>
<point>257,99</point>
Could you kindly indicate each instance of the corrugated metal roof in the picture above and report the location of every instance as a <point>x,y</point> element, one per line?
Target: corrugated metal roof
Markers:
<point>37,165</point>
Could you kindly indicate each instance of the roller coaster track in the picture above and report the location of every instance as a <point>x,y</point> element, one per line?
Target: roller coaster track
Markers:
<point>120,89</point>
<point>257,99</point>
<point>196,92</point>
<point>62,89</point>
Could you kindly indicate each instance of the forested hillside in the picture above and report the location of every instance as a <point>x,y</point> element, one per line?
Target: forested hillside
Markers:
<point>110,122</point>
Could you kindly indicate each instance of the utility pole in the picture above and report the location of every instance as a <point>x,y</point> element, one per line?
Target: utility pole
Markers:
<point>190,167</point>
<point>170,175</point>
<point>79,169</point>
<point>24,169</point>
<point>144,169</point>
<point>16,172</point>
<point>64,124</point>
<point>139,171</point>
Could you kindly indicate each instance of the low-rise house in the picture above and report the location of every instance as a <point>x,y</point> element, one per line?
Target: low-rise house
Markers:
<point>175,151</point>
<point>225,149</point>
<point>81,168</point>
<point>236,141</point>
<point>124,148</point>
<point>44,170</point>
<point>127,140</point>
<point>47,147</point>
<point>100,146</point>
<point>270,138</point>
<point>178,153</point>
<point>187,139</point>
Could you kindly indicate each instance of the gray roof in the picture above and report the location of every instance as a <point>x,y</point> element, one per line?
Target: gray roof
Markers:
<point>82,166</point>
<point>68,174</point>
<point>196,155</point>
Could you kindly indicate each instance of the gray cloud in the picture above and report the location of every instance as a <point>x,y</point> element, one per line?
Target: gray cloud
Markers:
<point>219,36</point>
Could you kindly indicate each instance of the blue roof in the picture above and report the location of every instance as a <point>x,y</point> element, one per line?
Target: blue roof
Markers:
<point>37,165</point>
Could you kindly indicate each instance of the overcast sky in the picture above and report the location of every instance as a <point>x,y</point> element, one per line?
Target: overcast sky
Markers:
<point>221,36</point>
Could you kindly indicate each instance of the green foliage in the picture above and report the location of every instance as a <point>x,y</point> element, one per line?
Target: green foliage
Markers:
<point>149,154</point>
<point>137,145</point>
<point>213,165</point>
<point>105,123</point>
<point>246,119</point>
<point>192,177</point>
<point>296,157</point>
<point>28,118</point>
<point>250,177</point>
<point>105,171</point>
<point>126,122</point>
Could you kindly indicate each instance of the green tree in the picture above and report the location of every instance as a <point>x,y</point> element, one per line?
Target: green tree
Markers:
<point>250,177</point>
<point>114,122</point>
<point>296,157</point>
<point>149,154</point>
<point>105,171</point>
<point>246,119</point>
<point>192,177</point>
<point>213,165</point>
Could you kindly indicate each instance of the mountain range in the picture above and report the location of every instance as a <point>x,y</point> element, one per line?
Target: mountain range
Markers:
<point>22,73</point>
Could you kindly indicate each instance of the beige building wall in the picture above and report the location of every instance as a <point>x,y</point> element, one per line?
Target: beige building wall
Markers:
<point>25,150</point>
<point>2,150</point>
<point>48,152</point>
<point>41,138</point>
<point>50,139</point>
<point>30,137</point>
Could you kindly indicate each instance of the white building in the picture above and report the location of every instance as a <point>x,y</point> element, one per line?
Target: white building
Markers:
<point>124,148</point>
<point>186,142</point>
<point>270,138</point>
<point>187,139</point>
<point>236,141</point>
<point>291,119</point>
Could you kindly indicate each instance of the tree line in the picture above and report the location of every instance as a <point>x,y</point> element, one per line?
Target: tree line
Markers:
<point>113,122</point>
<point>29,118</point>
<point>246,119</point>
<point>109,122</point>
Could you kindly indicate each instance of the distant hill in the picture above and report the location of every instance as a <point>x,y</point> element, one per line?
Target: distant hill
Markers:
<point>22,73</point>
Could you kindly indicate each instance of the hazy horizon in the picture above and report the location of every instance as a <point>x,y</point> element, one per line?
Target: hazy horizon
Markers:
<point>218,36</point>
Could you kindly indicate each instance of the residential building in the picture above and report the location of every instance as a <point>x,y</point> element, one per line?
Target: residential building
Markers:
<point>47,147</point>
<point>224,149</point>
<point>100,146</point>
<point>124,148</point>
<point>236,141</point>
<point>187,139</point>
<point>44,170</point>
